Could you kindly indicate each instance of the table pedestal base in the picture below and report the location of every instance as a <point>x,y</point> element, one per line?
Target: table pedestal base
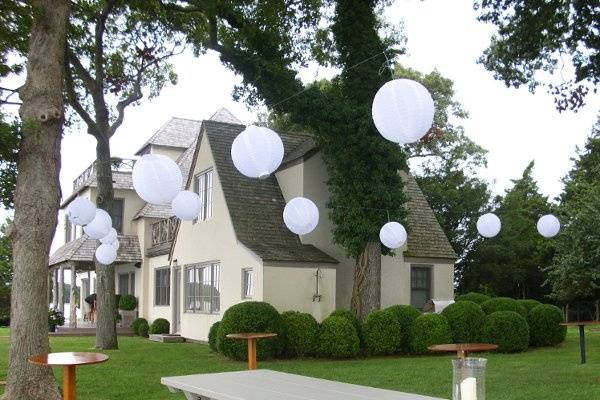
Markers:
<point>69,377</point>
<point>251,353</point>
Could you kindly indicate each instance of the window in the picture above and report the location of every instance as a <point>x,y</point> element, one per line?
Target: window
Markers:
<point>162,286</point>
<point>202,288</point>
<point>420,285</point>
<point>203,186</point>
<point>247,283</point>
<point>117,214</point>
<point>127,283</point>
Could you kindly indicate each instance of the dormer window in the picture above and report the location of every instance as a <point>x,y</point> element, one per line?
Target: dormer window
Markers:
<point>203,184</point>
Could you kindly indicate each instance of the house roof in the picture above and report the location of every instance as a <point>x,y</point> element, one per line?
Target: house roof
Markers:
<point>426,239</point>
<point>256,205</point>
<point>83,248</point>
<point>177,132</point>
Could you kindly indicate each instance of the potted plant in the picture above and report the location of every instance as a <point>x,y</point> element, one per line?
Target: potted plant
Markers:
<point>55,318</point>
<point>127,305</point>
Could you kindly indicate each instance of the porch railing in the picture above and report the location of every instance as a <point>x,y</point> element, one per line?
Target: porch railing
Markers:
<point>163,231</point>
<point>118,165</point>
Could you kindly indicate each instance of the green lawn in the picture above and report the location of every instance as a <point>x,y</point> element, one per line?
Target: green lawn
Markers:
<point>135,370</point>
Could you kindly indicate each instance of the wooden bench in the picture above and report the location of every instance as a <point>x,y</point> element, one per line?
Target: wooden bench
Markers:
<point>271,385</point>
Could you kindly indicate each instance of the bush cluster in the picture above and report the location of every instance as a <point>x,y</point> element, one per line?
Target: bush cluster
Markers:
<point>350,316</point>
<point>528,304</point>
<point>507,329</point>
<point>406,315</point>
<point>503,304</point>
<point>251,316</point>
<point>135,325</point>
<point>466,320</point>
<point>301,333</point>
<point>382,333</point>
<point>213,336</point>
<point>478,298</point>
<point>143,329</point>
<point>430,329</point>
<point>338,338</point>
<point>160,326</point>
<point>127,302</point>
<point>544,326</point>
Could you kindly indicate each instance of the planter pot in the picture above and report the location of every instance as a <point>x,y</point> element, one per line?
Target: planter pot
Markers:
<point>127,318</point>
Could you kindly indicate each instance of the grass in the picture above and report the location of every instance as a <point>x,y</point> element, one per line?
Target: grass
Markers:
<point>135,370</point>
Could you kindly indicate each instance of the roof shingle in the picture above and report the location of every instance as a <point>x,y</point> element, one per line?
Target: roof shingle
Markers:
<point>177,132</point>
<point>83,248</point>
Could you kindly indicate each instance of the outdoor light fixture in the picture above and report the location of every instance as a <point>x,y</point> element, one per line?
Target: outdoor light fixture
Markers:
<point>100,226</point>
<point>106,254</point>
<point>548,226</point>
<point>488,225</point>
<point>157,179</point>
<point>81,211</point>
<point>403,111</point>
<point>257,152</point>
<point>301,215</point>
<point>186,205</point>
<point>393,235</point>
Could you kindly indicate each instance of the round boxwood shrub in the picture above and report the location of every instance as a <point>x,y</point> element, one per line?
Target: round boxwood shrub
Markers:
<point>406,315</point>
<point>382,333</point>
<point>135,325</point>
<point>466,320</point>
<point>503,304</point>
<point>507,329</point>
<point>127,302</point>
<point>478,298</point>
<point>544,325</point>
<point>212,336</point>
<point>429,329</point>
<point>529,304</point>
<point>301,333</point>
<point>160,326</point>
<point>143,328</point>
<point>338,338</point>
<point>251,316</point>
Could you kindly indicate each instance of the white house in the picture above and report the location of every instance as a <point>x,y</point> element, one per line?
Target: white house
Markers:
<point>190,272</point>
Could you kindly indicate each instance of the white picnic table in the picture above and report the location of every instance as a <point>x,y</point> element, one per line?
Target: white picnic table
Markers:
<point>263,384</point>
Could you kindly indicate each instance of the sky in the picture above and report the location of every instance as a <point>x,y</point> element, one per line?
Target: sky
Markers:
<point>515,126</point>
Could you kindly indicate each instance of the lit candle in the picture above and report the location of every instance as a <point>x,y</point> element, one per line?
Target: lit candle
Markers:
<point>468,389</point>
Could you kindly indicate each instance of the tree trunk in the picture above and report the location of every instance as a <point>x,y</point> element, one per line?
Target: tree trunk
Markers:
<point>106,324</point>
<point>37,198</point>
<point>366,292</point>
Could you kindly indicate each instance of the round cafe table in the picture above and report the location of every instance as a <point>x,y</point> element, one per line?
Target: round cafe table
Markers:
<point>581,325</point>
<point>69,361</point>
<point>462,349</point>
<point>251,338</point>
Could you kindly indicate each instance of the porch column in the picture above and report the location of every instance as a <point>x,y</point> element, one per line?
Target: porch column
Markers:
<point>49,296</point>
<point>61,289</point>
<point>72,305</point>
<point>55,288</point>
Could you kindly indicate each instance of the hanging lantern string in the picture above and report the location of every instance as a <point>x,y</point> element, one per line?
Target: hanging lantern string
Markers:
<point>386,63</point>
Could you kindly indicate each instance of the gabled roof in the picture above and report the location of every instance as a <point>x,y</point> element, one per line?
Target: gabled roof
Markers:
<point>224,115</point>
<point>177,132</point>
<point>256,205</point>
<point>426,238</point>
<point>83,248</point>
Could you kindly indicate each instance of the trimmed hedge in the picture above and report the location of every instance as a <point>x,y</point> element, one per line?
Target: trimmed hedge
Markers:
<point>301,333</point>
<point>544,326</point>
<point>466,320</point>
<point>160,326</point>
<point>382,333</point>
<point>212,336</point>
<point>507,329</point>
<point>127,302</point>
<point>503,304</point>
<point>135,325</point>
<point>478,298</point>
<point>251,316</point>
<point>430,329</point>
<point>143,328</point>
<point>406,315</point>
<point>529,304</point>
<point>338,338</point>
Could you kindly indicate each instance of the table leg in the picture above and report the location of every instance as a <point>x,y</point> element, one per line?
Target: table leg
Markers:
<point>582,342</point>
<point>69,382</point>
<point>461,354</point>
<point>251,353</point>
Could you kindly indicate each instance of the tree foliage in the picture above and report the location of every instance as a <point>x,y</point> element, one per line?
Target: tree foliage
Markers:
<point>10,135</point>
<point>5,267</point>
<point>544,36</point>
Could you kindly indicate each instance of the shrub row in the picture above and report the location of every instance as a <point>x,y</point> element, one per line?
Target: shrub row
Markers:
<point>141,327</point>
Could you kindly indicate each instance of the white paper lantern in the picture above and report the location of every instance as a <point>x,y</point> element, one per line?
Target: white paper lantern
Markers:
<point>81,211</point>
<point>488,225</point>
<point>110,238</point>
<point>257,152</point>
<point>106,254</point>
<point>100,225</point>
<point>115,244</point>
<point>186,205</point>
<point>403,111</point>
<point>301,215</point>
<point>548,226</point>
<point>156,178</point>
<point>393,235</point>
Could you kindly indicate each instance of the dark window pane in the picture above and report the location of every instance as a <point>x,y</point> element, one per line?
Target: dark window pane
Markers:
<point>117,215</point>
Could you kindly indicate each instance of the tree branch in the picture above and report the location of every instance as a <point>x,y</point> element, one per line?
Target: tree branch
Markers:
<point>135,95</point>
<point>99,42</point>
<point>74,102</point>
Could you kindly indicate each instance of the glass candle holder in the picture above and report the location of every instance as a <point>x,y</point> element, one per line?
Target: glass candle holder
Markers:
<point>468,381</point>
